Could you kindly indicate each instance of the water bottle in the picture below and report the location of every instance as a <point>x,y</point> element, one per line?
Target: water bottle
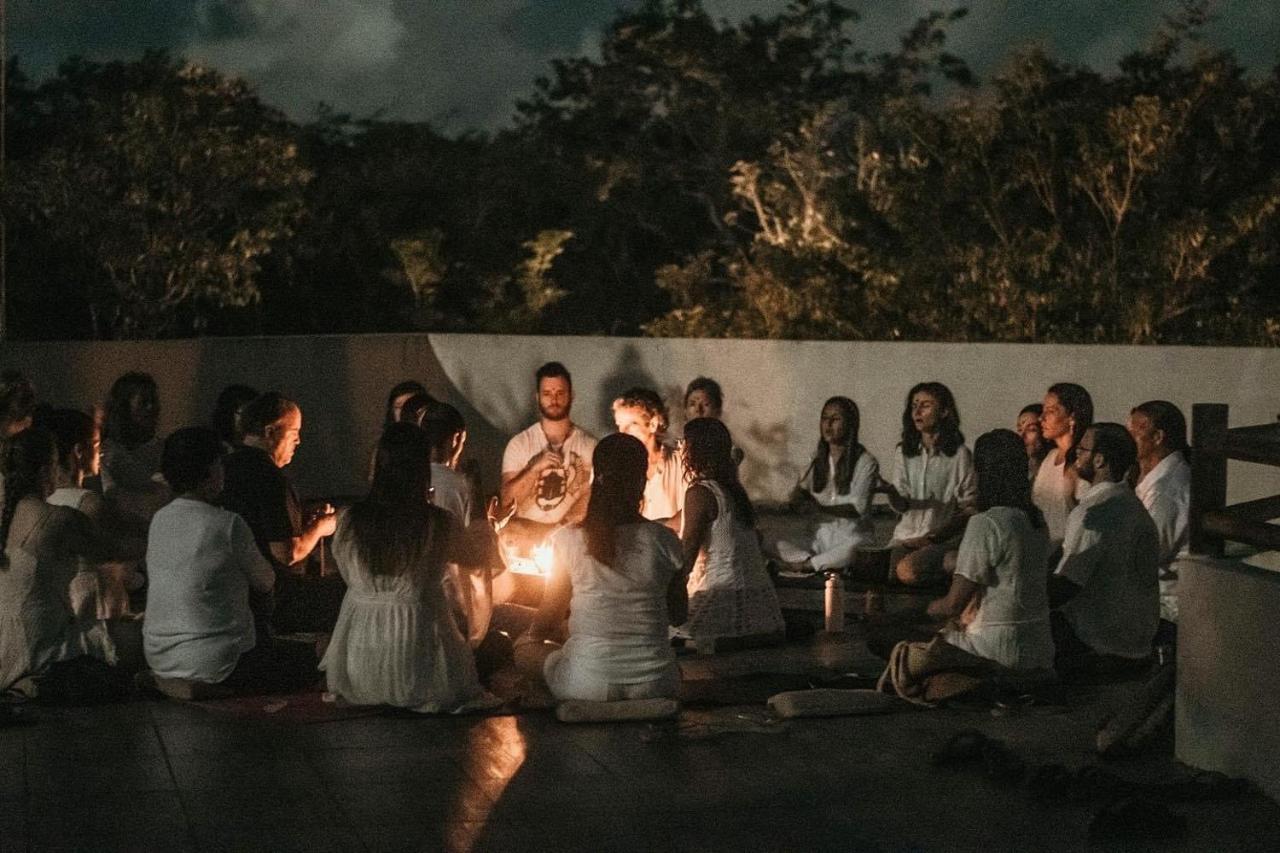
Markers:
<point>834,604</point>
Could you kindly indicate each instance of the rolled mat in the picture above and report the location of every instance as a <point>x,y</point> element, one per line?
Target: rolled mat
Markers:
<point>824,702</point>
<point>623,710</point>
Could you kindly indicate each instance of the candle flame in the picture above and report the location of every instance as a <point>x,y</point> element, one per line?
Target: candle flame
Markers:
<point>542,559</point>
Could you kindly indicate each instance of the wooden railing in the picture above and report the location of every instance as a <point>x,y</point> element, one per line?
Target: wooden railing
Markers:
<point>1213,522</point>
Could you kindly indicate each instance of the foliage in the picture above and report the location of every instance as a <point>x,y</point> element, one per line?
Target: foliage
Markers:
<point>698,177</point>
<point>159,187</point>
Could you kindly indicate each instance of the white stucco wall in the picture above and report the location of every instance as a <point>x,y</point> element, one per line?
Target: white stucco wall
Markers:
<point>773,389</point>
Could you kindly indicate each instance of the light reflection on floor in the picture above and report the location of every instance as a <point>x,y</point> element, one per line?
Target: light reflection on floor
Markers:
<point>495,752</point>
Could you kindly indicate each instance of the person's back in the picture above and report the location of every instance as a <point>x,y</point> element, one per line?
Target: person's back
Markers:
<point>396,641</point>
<point>1111,551</point>
<point>730,593</point>
<point>200,560</point>
<point>618,614</point>
<point>37,624</point>
<point>1007,556</point>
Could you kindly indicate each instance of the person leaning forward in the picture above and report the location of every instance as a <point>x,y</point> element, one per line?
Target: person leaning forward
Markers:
<point>258,490</point>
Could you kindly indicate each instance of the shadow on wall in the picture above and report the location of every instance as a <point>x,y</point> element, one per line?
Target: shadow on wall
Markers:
<point>625,375</point>
<point>485,441</point>
<point>766,446</point>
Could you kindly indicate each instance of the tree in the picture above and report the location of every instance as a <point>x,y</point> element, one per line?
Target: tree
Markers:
<point>161,186</point>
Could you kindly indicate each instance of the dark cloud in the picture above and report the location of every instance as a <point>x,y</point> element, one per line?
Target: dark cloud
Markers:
<point>462,63</point>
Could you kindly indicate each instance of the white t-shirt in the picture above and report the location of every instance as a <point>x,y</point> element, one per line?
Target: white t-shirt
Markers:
<point>1166,493</point>
<point>1007,558</point>
<point>1111,552</point>
<point>664,491</point>
<point>557,489</point>
<point>948,483</point>
<point>1051,492</point>
<point>201,562</point>
<point>451,492</point>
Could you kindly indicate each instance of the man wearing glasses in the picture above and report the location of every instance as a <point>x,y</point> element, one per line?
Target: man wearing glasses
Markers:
<point>1105,590</point>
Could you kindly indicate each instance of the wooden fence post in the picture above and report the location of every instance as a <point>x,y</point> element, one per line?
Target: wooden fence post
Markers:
<point>1208,473</point>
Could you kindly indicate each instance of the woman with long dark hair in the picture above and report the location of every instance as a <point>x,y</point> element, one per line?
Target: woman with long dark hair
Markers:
<point>1067,413</point>
<point>396,641</point>
<point>131,451</point>
<point>999,592</point>
<point>43,547</point>
<point>618,576</point>
<point>933,486</point>
<point>730,593</point>
<point>225,419</point>
<point>997,609</point>
<point>836,490</point>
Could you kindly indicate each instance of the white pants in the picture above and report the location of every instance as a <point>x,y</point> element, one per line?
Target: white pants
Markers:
<point>567,681</point>
<point>831,546</point>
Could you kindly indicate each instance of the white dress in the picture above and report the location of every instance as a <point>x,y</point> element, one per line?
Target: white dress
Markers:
<point>730,593</point>
<point>396,641</point>
<point>618,646</point>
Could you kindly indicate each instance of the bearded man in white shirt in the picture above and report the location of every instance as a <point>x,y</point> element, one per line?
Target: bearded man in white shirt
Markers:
<point>1104,591</point>
<point>1163,485</point>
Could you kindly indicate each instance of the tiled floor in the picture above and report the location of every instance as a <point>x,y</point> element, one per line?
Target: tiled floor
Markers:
<point>163,776</point>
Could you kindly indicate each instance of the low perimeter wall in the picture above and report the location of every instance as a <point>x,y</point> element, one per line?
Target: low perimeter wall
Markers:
<point>1228,704</point>
<point>773,389</point>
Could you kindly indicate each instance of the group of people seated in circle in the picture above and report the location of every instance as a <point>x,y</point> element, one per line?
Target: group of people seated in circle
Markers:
<point>1055,543</point>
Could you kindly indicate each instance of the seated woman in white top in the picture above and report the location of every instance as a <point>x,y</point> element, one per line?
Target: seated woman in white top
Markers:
<point>641,414</point>
<point>131,482</point>
<point>998,603</point>
<point>397,641</point>
<point>204,568</point>
<point>933,486</point>
<point>103,589</point>
<point>618,576</point>
<point>730,593</point>
<point>43,548</point>
<point>836,489</point>
<point>1067,413</point>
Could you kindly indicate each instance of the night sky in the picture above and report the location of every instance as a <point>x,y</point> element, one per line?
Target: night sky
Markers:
<point>460,64</point>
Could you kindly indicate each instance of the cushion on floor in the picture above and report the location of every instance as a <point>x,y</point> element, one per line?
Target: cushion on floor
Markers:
<point>824,702</point>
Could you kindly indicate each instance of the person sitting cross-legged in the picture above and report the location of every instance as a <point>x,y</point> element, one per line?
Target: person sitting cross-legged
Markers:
<point>932,488</point>
<point>204,569</point>
<point>835,492</point>
<point>618,577</point>
<point>997,608</point>
<point>397,641</point>
<point>1105,590</point>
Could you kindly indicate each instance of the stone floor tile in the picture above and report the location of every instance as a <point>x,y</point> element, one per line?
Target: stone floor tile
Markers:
<point>385,766</point>
<point>84,776</point>
<point>234,835</point>
<point>121,819</point>
<point>431,803</point>
<point>276,805</point>
<point>222,736</point>
<point>208,770</point>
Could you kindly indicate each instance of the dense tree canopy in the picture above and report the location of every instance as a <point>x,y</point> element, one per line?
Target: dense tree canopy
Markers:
<point>698,178</point>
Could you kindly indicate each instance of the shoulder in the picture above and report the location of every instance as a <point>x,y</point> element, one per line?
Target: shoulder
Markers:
<point>963,456</point>
<point>581,438</point>
<point>866,461</point>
